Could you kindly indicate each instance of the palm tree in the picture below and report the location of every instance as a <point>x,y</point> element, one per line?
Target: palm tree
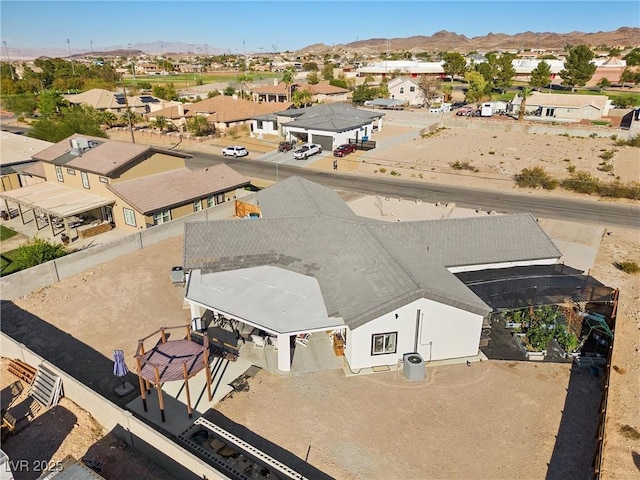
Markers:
<point>447,89</point>
<point>526,93</point>
<point>301,98</point>
<point>108,118</point>
<point>287,78</point>
<point>160,122</point>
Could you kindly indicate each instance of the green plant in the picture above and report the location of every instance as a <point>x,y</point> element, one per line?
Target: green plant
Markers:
<point>628,266</point>
<point>571,168</point>
<point>605,167</point>
<point>382,170</point>
<point>607,154</point>
<point>394,173</point>
<point>535,177</point>
<point>458,165</point>
<point>38,251</point>
<point>630,142</point>
<point>593,135</point>
<point>581,182</point>
<point>614,137</point>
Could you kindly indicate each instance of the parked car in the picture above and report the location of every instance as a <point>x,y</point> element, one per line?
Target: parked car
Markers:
<point>344,150</point>
<point>306,151</point>
<point>286,146</point>
<point>465,111</point>
<point>235,151</point>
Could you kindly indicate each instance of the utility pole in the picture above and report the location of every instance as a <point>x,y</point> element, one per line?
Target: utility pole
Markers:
<point>73,69</point>
<point>4,42</point>
<point>126,104</point>
<point>91,47</point>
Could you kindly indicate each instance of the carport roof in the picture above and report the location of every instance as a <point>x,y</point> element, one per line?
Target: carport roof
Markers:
<point>56,199</point>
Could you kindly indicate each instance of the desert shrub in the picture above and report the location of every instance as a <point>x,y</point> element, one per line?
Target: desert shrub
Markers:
<point>605,167</point>
<point>593,135</point>
<point>458,165</point>
<point>394,173</point>
<point>617,189</point>
<point>535,177</point>
<point>571,168</point>
<point>607,154</point>
<point>581,182</point>
<point>628,266</point>
<point>631,142</point>
<point>382,170</point>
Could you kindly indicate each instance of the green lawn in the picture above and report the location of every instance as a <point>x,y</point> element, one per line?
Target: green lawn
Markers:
<point>7,262</point>
<point>6,233</point>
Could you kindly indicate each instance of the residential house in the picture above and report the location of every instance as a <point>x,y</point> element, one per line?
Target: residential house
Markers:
<point>565,107</point>
<point>327,125</point>
<point>222,112</point>
<point>320,93</point>
<point>410,68</point>
<point>382,289</point>
<point>17,168</point>
<point>105,100</point>
<point>127,185</point>
<point>408,91</point>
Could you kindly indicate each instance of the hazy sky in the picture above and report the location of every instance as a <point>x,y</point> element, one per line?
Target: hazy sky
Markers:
<point>288,25</point>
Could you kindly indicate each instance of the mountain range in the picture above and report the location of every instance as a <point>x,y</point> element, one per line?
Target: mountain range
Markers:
<point>439,41</point>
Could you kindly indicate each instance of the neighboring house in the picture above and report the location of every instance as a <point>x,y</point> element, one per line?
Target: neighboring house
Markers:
<point>407,91</point>
<point>327,125</point>
<point>222,112</point>
<point>312,266</point>
<point>17,168</point>
<point>320,93</point>
<point>412,68</point>
<point>130,186</point>
<point>105,100</point>
<point>565,107</point>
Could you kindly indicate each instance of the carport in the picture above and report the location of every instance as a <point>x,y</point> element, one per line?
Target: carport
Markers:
<point>49,200</point>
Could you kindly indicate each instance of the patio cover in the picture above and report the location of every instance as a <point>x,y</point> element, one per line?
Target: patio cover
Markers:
<point>56,199</point>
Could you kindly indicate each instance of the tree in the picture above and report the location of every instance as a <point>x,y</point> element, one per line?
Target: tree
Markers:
<point>20,104</point>
<point>288,76</point>
<point>454,64</point>
<point>603,83</point>
<point>363,93</point>
<point>447,89</point>
<point>160,122</point>
<point>310,67</point>
<point>630,76</point>
<point>338,82</point>
<point>625,101</point>
<point>108,118</point>
<point>229,91</point>
<point>313,78</point>
<point>243,79</point>
<point>578,68</point>
<point>541,75</point>
<point>301,98</point>
<point>524,94</point>
<point>327,71</point>
<point>49,103</point>
<point>198,126</point>
<point>633,57</point>
<point>213,93</point>
<point>476,88</point>
<point>504,72</point>
<point>74,119</point>
<point>38,251</point>
<point>430,88</point>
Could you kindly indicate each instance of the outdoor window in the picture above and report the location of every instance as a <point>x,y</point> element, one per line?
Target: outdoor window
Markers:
<point>412,89</point>
<point>59,173</point>
<point>71,171</point>
<point>383,343</point>
<point>85,179</point>
<point>129,217</point>
<point>259,124</point>
<point>401,89</point>
<point>219,198</point>
<point>103,179</point>
<point>210,202</point>
<point>197,205</point>
<point>550,112</point>
<point>161,216</point>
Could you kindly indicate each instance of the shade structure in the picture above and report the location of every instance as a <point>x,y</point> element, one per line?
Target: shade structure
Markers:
<point>119,366</point>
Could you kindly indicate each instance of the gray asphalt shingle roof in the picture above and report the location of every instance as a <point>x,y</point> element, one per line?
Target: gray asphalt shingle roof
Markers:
<point>365,268</point>
<point>335,117</point>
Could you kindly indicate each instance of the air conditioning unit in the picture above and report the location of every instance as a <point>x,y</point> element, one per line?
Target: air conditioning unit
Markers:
<point>413,366</point>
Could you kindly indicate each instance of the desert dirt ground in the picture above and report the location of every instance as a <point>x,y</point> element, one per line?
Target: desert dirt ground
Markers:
<point>491,420</point>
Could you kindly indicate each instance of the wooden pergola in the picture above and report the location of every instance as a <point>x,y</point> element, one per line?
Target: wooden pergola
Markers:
<point>171,360</point>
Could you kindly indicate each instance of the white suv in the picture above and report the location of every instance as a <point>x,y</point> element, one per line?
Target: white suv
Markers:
<point>235,151</point>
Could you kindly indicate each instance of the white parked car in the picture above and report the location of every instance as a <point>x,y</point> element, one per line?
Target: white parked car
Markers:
<point>235,151</point>
<point>306,151</point>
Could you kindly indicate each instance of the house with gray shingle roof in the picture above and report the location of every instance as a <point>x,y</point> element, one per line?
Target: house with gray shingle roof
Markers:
<point>326,125</point>
<point>310,265</point>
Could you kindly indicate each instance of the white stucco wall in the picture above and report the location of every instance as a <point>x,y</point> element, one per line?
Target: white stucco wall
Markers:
<point>269,127</point>
<point>443,332</point>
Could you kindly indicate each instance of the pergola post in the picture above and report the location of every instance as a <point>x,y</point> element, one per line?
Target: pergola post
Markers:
<point>67,230</point>
<point>159,389</point>
<point>284,353</point>
<point>143,391</point>
<point>186,388</point>
<point>53,232</point>
<point>21,214</point>
<point>205,353</point>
